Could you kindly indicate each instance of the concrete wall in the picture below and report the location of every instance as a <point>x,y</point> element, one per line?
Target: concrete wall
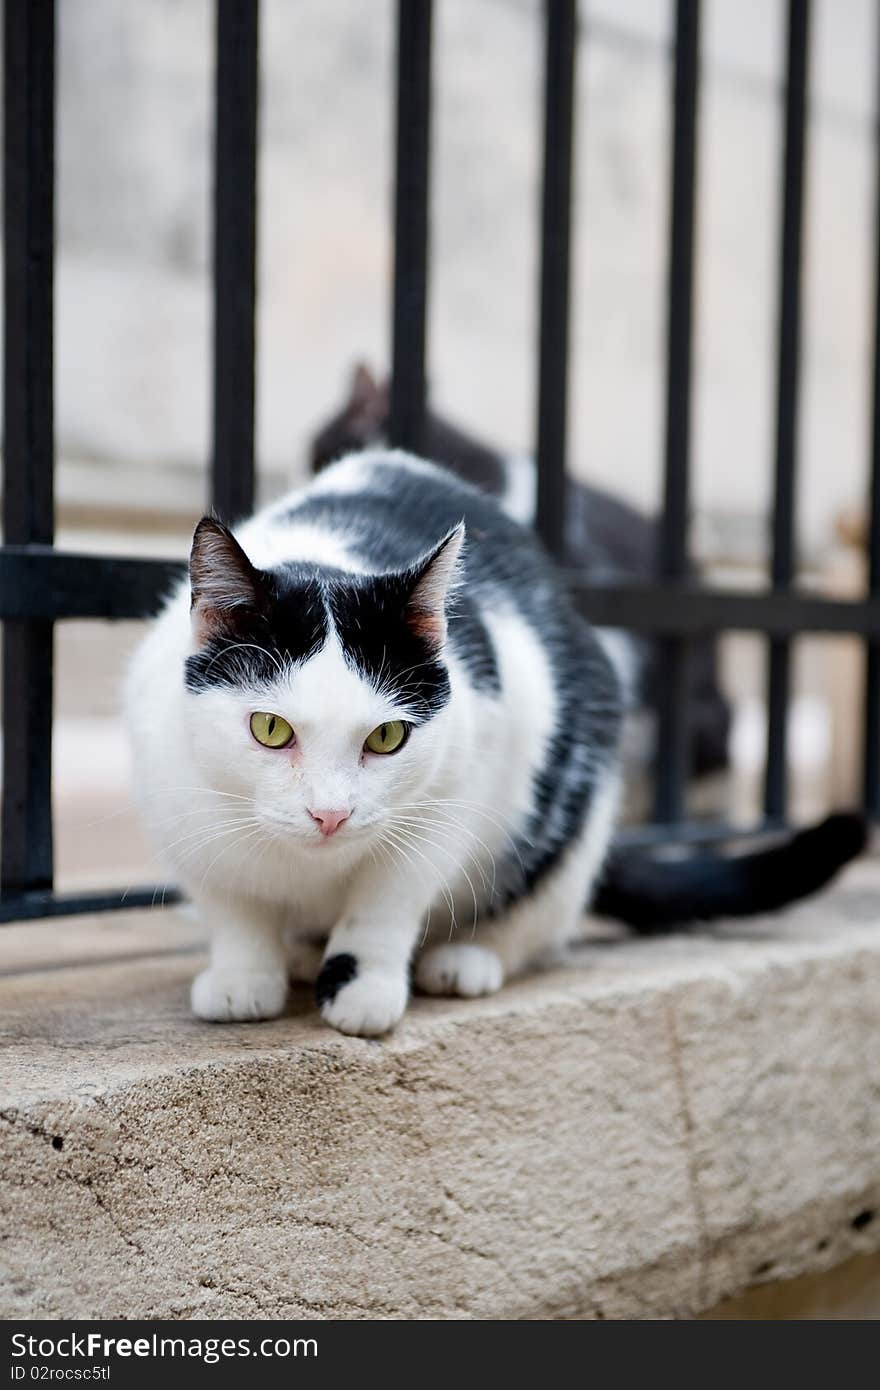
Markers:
<point>133,304</point>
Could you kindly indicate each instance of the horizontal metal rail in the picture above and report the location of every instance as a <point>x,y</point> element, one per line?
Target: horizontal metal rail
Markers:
<point>37,583</point>
<point>46,906</point>
<point>29,907</point>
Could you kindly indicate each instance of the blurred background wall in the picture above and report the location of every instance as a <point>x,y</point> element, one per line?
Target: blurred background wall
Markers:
<point>133,301</point>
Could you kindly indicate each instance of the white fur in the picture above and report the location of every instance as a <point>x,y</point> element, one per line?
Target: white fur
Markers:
<point>428,826</point>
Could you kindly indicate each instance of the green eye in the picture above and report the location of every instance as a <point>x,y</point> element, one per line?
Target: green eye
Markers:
<point>388,738</point>
<point>271,730</point>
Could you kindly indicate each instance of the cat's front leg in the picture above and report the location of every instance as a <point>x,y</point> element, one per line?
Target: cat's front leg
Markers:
<point>363,987</point>
<point>247,977</point>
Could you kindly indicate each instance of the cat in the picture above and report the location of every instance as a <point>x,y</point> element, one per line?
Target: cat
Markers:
<point>605,539</point>
<point>372,732</point>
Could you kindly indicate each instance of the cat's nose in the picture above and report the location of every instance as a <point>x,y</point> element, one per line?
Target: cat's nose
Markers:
<point>328,822</point>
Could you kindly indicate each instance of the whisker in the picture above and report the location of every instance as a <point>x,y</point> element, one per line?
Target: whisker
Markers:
<point>434,845</point>
<point>453,827</point>
<point>404,851</point>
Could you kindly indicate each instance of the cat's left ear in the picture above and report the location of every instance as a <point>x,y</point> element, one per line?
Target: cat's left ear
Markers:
<point>225,586</point>
<point>434,580</point>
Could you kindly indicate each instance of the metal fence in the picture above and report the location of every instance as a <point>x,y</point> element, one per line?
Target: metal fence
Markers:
<point>40,586</point>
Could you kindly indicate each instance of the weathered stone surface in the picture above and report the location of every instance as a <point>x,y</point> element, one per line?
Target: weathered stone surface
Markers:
<point>640,1132</point>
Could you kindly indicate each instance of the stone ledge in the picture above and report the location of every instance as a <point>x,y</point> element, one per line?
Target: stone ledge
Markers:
<point>639,1132</point>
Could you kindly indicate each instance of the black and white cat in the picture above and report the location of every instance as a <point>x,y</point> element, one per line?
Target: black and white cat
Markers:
<point>374,728</point>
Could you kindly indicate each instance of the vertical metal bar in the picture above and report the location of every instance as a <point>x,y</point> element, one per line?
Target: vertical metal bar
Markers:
<point>235,251</point>
<point>788,373</point>
<point>411,200</point>
<point>28,434</point>
<point>672,738</point>
<point>872,673</point>
<point>553,351</point>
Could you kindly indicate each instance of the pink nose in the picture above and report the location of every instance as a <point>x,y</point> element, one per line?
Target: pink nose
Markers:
<point>328,822</point>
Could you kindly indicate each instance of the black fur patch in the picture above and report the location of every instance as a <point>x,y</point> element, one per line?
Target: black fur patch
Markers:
<point>300,601</point>
<point>290,626</point>
<point>335,972</point>
<point>368,614</point>
<point>369,617</point>
<point>585,742</point>
<point>390,526</point>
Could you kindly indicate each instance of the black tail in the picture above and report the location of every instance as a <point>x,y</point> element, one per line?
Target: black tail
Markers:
<point>655,895</point>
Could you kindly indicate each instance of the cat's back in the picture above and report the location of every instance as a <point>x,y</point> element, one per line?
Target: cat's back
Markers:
<point>381,510</point>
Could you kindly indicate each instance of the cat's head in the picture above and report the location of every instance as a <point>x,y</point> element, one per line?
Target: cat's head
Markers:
<point>361,423</point>
<point>316,697</point>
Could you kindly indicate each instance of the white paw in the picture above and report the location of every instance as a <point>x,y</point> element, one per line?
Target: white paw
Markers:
<point>236,996</point>
<point>368,1006</point>
<point>304,961</point>
<point>461,968</point>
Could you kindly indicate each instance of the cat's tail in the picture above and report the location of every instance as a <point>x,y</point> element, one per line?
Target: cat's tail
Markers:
<point>654,895</point>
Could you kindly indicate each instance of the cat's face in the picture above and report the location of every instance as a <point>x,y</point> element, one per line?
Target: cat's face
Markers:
<point>316,699</point>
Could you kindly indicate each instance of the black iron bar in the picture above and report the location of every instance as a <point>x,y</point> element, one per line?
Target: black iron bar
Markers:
<point>44,906</point>
<point>872,647</point>
<point>235,251</point>
<point>556,215</point>
<point>672,732</point>
<point>787,383</point>
<point>28,432</point>
<point>411,224</point>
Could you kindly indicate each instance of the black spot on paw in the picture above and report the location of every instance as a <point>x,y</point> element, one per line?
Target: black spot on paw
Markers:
<point>862,1219</point>
<point>335,972</point>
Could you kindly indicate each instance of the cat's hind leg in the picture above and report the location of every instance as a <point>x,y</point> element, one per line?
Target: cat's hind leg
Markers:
<point>479,962</point>
<point>464,968</point>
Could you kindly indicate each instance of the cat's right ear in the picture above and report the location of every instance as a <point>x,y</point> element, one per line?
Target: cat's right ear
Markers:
<point>225,587</point>
<point>364,391</point>
<point>368,403</point>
